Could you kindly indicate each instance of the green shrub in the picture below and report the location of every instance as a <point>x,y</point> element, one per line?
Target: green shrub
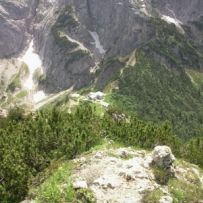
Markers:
<point>157,93</point>
<point>194,150</point>
<point>183,191</point>
<point>57,188</point>
<point>141,133</point>
<point>29,143</point>
<point>153,197</point>
<point>161,175</point>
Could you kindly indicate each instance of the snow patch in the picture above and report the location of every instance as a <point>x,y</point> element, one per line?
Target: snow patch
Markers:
<point>174,21</point>
<point>97,42</point>
<point>39,96</point>
<point>33,61</point>
<point>96,95</point>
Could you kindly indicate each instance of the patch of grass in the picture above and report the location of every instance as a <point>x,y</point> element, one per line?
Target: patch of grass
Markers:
<point>16,79</point>
<point>105,144</point>
<point>15,83</point>
<point>111,86</point>
<point>22,94</point>
<point>58,187</point>
<point>98,108</point>
<point>62,100</point>
<point>153,197</point>
<point>24,70</point>
<point>85,90</point>
<point>85,196</point>
<point>196,77</point>
<point>161,175</point>
<point>66,20</point>
<point>63,41</point>
<point>192,177</point>
<point>183,191</point>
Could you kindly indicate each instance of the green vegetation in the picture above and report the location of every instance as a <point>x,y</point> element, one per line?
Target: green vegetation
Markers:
<point>57,188</point>
<point>161,175</point>
<point>29,143</point>
<point>16,79</point>
<point>196,78</point>
<point>177,49</point>
<point>67,20</point>
<point>139,133</point>
<point>183,191</point>
<point>64,24</point>
<point>32,143</point>
<point>15,83</point>
<point>63,41</point>
<point>165,83</point>
<point>22,94</point>
<point>157,93</point>
<point>194,150</point>
<point>153,197</point>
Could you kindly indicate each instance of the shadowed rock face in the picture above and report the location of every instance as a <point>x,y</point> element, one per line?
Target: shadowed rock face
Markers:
<point>62,32</point>
<point>15,23</point>
<point>184,10</point>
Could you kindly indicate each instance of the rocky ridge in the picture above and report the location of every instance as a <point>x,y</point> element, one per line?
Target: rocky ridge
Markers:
<point>126,175</point>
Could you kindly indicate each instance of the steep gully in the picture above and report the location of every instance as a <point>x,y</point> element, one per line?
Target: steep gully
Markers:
<point>33,61</point>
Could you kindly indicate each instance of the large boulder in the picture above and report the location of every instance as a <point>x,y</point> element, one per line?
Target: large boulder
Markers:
<point>162,156</point>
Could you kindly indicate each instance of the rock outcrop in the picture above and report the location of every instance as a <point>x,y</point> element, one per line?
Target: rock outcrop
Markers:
<point>123,175</point>
<point>163,157</point>
<point>127,175</point>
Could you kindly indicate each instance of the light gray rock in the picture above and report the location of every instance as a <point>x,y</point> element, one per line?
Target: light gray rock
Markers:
<point>166,199</point>
<point>28,201</point>
<point>98,155</point>
<point>80,184</point>
<point>96,95</point>
<point>162,156</point>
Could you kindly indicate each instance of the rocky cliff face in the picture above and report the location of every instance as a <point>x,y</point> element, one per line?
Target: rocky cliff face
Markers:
<point>15,26</point>
<point>103,31</point>
<point>74,38</point>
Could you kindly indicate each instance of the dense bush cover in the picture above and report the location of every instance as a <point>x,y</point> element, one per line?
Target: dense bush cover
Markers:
<point>166,81</point>
<point>140,133</point>
<point>29,143</point>
<point>158,93</point>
